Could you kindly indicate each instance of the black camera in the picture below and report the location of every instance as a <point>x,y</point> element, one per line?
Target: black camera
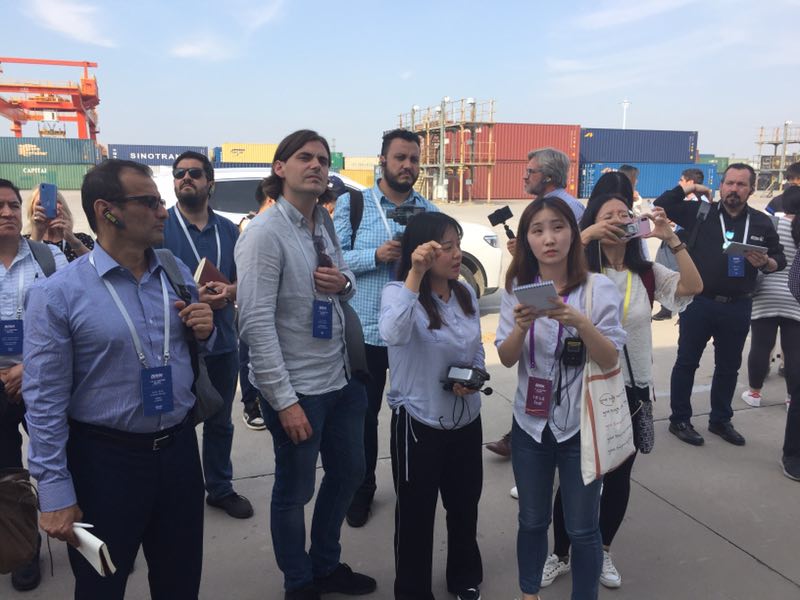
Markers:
<point>470,377</point>
<point>402,215</point>
<point>500,216</point>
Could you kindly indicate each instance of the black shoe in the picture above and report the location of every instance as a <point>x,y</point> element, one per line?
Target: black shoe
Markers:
<point>308,592</point>
<point>662,315</point>
<point>686,433</point>
<point>727,433</point>
<point>791,467</point>
<point>358,513</point>
<point>28,576</point>
<point>473,593</point>
<point>235,505</point>
<point>344,581</point>
<point>252,416</point>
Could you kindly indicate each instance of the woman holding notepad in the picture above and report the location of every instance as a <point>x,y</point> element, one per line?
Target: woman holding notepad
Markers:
<point>549,347</point>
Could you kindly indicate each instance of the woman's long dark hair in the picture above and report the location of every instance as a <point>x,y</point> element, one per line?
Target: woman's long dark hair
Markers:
<point>524,267</point>
<point>791,206</point>
<point>633,259</point>
<point>422,228</point>
<point>614,182</point>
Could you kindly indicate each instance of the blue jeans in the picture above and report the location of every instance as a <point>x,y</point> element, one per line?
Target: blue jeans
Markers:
<point>534,469</point>
<point>728,324</point>
<point>337,422</point>
<point>218,430</point>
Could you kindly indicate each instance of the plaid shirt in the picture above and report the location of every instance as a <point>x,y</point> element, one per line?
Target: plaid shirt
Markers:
<point>360,256</point>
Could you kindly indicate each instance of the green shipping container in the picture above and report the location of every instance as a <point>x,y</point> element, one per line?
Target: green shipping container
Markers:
<point>48,151</point>
<point>27,177</point>
<point>337,161</point>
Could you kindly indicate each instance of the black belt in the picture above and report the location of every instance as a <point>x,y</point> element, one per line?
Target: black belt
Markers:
<point>726,299</point>
<point>158,440</point>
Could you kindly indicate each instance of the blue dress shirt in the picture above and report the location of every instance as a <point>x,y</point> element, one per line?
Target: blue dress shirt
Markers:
<point>206,243</point>
<point>80,362</point>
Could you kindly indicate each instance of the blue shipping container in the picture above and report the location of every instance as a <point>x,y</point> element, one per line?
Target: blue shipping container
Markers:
<point>654,178</point>
<point>638,145</point>
<point>48,151</point>
<point>151,155</point>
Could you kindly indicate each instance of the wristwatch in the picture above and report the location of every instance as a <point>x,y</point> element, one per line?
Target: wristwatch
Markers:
<point>678,248</point>
<point>348,285</point>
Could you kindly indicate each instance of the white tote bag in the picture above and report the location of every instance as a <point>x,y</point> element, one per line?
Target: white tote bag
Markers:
<point>606,430</point>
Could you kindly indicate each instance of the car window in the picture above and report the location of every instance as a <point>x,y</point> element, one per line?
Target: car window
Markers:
<point>238,196</point>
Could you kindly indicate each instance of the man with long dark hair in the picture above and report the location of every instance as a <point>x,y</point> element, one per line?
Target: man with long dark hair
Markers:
<point>292,280</point>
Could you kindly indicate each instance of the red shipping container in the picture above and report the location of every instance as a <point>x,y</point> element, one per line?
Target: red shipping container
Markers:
<point>513,141</point>
<point>507,181</point>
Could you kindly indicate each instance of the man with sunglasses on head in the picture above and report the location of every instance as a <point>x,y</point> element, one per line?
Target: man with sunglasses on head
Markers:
<point>193,232</point>
<point>108,382</point>
<point>292,280</point>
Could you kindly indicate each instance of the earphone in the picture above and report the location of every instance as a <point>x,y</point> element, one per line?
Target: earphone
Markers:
<point>109,216</point>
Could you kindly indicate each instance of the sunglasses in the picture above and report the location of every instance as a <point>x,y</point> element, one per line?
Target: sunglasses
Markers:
<point>151,202</point>
<point>194,173</point>
<point>323,260</point>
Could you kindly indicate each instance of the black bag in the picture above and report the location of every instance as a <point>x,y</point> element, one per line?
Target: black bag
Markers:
<point>208,400</point>
<point>19,529</point>
<point>641,407</point>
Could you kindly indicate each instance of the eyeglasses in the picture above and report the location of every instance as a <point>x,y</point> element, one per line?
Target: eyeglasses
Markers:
<point>151,202</point>
<point>529,172</point>
<point>323,260</point>
<point>194,173</point>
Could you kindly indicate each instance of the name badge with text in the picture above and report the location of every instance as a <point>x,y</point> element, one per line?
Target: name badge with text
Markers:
<point>156,387</point>
<point>736,266</point>
<point>540,391</point>
<point>11,337</point>
<point>323,319</point>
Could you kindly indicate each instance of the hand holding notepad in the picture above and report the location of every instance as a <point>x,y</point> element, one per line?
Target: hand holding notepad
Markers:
<point>94,550</point>
<point>537,295</point>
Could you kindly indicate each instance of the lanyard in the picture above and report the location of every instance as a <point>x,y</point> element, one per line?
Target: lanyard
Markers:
<point>558,339</point>
<point>136,341</point>
<point>628,288</point>
<point>382,213</point>
<point>20,288</point>
<point>725,232</point>
<point>299,243</point>
<point>191,242</point>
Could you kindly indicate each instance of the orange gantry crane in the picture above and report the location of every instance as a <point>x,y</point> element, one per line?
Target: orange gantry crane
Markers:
<point>51,102</point>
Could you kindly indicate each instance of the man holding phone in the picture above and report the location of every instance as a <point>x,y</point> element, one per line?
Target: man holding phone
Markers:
<point>193,231</point>
<point>722,310</point>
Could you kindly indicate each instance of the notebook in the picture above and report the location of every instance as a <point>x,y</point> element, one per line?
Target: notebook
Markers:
<point>95,551</point>
<point>537,295</point>
<point>206,271</point>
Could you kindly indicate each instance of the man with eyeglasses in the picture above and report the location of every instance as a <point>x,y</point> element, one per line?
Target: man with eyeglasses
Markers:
<point>108,384</point>
<point>193,232</point>
<point>292,280</point>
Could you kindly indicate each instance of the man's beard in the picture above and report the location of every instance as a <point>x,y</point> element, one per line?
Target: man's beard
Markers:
<point>396,185</point>
<point>190,197</point>
<point>733,201</point>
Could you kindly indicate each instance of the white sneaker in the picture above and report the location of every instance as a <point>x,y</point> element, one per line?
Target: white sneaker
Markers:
<point>515,494</point>
<point>752,398</point>
<point>609,577</point>
<point>553,567</point>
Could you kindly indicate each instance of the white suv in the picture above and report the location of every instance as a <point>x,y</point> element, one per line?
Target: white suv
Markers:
<point>234,198</point>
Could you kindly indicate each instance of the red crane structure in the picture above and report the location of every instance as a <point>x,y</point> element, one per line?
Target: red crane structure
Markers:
<point>51,103</point>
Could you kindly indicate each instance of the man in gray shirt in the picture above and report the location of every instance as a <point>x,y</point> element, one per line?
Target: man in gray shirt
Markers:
<point>292,279</point>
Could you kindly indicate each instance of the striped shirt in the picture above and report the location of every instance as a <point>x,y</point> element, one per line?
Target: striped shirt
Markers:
<point>371,276</point>
<point>772,296</point>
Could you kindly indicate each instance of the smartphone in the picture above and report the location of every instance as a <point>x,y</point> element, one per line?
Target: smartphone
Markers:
<point>637,228</point>
<point>48,200</point>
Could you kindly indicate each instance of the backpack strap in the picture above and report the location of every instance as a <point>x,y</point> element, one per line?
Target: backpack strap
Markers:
<point>702,213</point>
<point>170,266</point>
<point>43,256</point>
<point>328,223</point>
<point>356,214</point>
<point>649,281</point>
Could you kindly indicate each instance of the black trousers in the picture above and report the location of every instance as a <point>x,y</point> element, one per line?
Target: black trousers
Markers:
<point>378,365</point>
<point>10,436</point>
<point>763,333</point>
<point>139,497</point>
<point>425,462</point>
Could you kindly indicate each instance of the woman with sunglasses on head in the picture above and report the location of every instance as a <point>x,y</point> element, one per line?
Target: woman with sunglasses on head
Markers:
<point>547,405</point>
<point>57,231</point>
<point>430,322</point>
<point>619,257</point>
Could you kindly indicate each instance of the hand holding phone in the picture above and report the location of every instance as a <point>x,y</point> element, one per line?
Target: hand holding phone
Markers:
<point>48,199</point>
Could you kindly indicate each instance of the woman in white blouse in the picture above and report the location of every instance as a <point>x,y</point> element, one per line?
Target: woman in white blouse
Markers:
<point>640,282</point>
<point>430,322</point>
<point>546,425</point>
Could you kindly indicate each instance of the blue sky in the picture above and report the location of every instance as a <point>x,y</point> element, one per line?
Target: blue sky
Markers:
<point>203,72</point>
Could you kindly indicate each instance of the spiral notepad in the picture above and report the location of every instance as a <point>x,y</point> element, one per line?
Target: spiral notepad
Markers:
<point>537,295</point>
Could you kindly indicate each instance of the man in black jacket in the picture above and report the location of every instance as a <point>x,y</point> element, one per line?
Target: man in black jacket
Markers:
<point>722,310</point>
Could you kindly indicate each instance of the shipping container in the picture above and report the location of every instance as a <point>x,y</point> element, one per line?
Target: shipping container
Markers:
<point>360,163</point>
<point>250,153</point>
<point>773,163</point>
<point>365,177</point>
<point>508,181</point>
<point>227,165</point>
<point>720,161</point>
<point>637,145</point>
<point>27,177</point>
<point>151,155</point>
<point>654,178</point>
<point>512,142</point>
<point>48,151</point>
<point>216,154</point>
<point>337,161</point>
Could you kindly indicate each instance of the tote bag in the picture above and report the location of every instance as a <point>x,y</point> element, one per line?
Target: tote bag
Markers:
<point>606,430</point>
